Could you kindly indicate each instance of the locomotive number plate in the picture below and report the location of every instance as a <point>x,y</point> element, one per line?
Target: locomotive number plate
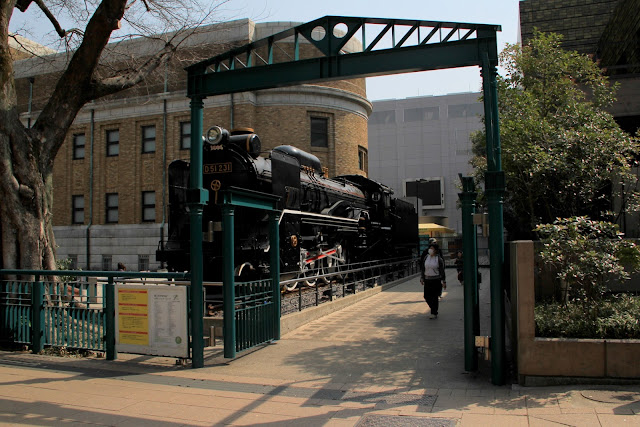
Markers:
<point>216,168</point>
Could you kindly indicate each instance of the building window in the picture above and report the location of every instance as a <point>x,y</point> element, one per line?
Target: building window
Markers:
<point>148,206</point>
<point>113,142</point>
<point>77,210</point>
<point>466,110</point>
<point>106,262</point>
<point>149,139</point>
<point>185,135</point>
<point>363,159</point>
<point>143,262</point>
<point>421,114</point>
<point>319,132</point>
<point>78,146</point>
<point>382,117</point>
<point>111,204</point>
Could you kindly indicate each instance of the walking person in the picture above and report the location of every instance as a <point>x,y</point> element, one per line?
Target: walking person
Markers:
<point>432,278</point>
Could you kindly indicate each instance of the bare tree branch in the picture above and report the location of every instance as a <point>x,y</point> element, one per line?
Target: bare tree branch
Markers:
<point>62,33</point>
<point>129,79</point>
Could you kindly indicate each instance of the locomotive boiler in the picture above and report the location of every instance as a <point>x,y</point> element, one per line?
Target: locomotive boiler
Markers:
<point>325,222</point>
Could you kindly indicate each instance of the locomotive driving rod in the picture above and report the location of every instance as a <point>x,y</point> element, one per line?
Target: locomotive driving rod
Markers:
<point>321,255</point>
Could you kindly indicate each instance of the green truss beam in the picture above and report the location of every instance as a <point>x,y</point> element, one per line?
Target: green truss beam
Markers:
<point>422,46</point>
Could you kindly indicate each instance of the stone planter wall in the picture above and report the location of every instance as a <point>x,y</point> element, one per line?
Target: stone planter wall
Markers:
<point>563,358</point>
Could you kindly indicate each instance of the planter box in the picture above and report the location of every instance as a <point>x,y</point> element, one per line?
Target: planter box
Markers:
<point>568,357</point>
<point>562,358</point>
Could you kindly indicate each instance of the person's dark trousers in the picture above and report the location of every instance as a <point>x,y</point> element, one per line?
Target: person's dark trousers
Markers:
<point>432,290</point>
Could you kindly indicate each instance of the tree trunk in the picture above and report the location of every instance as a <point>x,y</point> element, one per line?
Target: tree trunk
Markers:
<point>27,154</point>
<point>25,208</point>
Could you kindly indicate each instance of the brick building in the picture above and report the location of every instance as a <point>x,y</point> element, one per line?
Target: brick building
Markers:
<point>110,174</point>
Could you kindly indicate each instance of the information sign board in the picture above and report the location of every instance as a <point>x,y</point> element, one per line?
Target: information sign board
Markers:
<point>152,319</point>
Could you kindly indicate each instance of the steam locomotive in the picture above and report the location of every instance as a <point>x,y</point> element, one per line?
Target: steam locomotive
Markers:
<point>325,223</point>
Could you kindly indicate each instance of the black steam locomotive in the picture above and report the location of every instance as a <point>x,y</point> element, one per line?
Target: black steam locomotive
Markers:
<point>325,222</point>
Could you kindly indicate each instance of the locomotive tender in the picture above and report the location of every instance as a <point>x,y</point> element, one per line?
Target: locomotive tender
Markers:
<point>325,222</point>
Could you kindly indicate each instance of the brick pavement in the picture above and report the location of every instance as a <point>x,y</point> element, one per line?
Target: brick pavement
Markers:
<point>380,362</point>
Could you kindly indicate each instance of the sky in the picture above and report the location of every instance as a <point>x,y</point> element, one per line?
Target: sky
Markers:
<point>441,82</point>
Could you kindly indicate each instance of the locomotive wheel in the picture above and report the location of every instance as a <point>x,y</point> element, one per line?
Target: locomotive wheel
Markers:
<point>310,282</point>
<point>340,266</point>
<point>290,287</point>
<point>331,265</point>
<point>308,271</point>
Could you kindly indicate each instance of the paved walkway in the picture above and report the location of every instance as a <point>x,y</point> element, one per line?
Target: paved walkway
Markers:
<point>381,362</point>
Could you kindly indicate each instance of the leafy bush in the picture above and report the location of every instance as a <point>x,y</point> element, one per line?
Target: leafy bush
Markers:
<point>586,254</point>
<point>617,317</point>
<point>65,264</point>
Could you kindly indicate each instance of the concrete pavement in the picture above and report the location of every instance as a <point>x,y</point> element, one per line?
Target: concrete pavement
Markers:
<point>379,362</point>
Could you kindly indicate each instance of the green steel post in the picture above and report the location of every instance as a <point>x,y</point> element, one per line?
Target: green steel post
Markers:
<point>37,315</point>
<point>197,199</point>
<point>110,308</point>
<point>228,282</point>
<point>494,185</point>
<point>468,200</point>
<point>274,241</point>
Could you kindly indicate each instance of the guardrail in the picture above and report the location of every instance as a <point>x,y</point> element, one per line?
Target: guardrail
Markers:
<point>350,279</point>
<point>67,308</point>
<point>343,280</point>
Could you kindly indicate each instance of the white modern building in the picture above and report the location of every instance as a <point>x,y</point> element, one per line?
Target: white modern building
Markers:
<point>418,146</point>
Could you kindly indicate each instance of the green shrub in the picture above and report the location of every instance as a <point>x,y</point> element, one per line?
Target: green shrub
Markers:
<point>586,255</point>
<point>618,317</point>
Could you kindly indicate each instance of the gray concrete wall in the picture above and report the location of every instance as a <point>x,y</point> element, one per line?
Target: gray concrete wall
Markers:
<point>403,148</point>
<point>123,242</point>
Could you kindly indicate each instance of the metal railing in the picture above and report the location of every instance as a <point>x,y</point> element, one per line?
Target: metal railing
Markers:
<point>347,280</point>
<point>74,309</point>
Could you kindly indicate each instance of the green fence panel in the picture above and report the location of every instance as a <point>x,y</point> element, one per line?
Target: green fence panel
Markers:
<point>15,303</point>
<point>254,318</point>
<point>72,312</point>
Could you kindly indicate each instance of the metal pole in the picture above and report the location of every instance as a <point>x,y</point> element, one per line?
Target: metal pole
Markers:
<point>274,260</point>
<point>110,308</point>
<point>198,197</point>
<point>468,200</point>
<point>494,187</point>
<point>228,281</point>
<point>37,315</point>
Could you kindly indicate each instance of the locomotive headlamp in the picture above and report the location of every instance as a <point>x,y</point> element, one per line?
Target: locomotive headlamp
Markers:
<point>215,135</point>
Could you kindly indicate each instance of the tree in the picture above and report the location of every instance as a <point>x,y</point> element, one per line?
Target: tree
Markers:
<point>563,155</point>
<point>27,154</point>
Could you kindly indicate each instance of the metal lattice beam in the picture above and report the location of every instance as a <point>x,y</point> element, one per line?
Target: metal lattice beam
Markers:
<point>276,60</point>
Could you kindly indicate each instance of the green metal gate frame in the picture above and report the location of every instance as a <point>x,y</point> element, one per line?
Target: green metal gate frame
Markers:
<point>245,69</point>
<point>233,198</point>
